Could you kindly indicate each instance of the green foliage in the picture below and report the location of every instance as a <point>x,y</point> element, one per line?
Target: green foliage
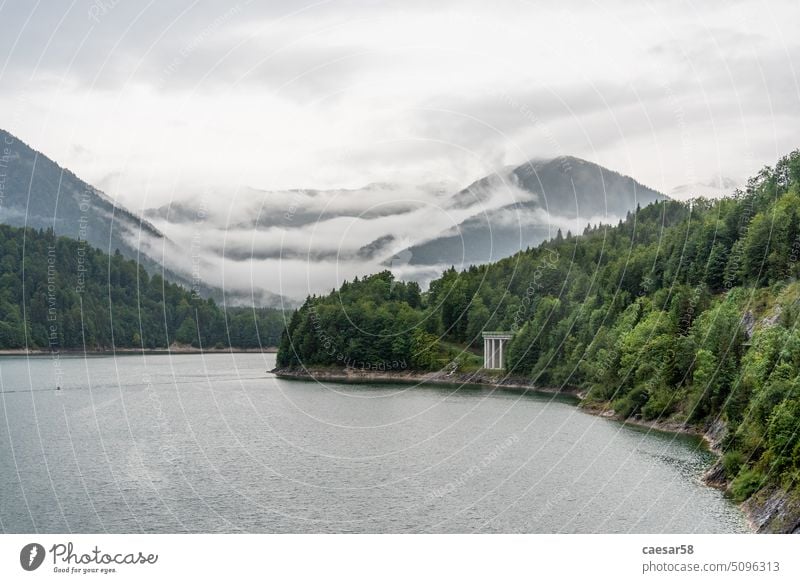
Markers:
<point>661,402</point>
<point>424,350</point>
<point>783,433</point>
<point>646,316</point>
<point>62,294</point>
<point>732,462</point>
<point>375,323</point>
<point>745,484</point>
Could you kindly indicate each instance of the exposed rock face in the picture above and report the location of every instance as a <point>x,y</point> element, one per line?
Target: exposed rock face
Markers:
<point>715,433</point>
<point>748,324</point>
<point>715,476</point>
<point>749,321</point>
<point>772,319</point>
<point>771,510</point>
<point>774,510</point>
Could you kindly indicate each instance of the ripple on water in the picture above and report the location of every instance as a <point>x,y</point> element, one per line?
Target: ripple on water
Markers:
<point>189,443</point>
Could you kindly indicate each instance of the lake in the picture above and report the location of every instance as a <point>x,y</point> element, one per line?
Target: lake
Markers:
<point>214,443</point>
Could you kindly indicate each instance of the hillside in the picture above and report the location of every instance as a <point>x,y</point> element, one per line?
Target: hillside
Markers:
<point>683,314</point>
<point>559,193</point>
<point>57,293</point>
<point>39,193</point>
<point>36,192</point>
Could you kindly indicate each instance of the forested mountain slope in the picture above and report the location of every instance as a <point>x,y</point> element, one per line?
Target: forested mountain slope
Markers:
<point>39,193</point>
<point>36,192</point>
<point>60,293</point>
<point>685,312</point>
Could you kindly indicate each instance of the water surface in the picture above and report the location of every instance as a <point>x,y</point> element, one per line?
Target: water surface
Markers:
<point>213,443</point>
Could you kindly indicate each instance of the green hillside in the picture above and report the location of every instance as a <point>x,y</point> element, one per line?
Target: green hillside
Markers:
<point>682,312</point>
<point>59,293</point>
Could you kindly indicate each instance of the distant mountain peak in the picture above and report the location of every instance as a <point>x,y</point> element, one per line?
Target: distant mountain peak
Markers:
<point>542,195</point>
<point>40,193</point>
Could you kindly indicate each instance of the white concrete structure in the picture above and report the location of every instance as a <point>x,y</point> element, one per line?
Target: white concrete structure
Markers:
<point>493,348</point>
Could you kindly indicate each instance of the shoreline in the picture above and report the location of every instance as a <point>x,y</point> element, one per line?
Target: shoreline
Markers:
<point>766,511</point>
<point>479,379</point>
<point>174,349</point>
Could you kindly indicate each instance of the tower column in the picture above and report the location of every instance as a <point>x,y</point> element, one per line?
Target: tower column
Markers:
<point>500,342</point>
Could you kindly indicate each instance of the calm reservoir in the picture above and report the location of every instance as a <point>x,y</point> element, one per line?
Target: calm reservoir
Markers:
<point>213,443</point>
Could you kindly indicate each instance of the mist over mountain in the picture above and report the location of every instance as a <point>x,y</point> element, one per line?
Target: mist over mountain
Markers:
<point>256,208</point>
<point>37,192</point>
<point>565,193</point>
<point>317,238</point>
<point>263,246</point>
<point>301,241</point>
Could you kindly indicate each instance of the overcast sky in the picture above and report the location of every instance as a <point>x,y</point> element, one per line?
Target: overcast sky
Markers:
<point>152,101</point>
<point>157,102</point>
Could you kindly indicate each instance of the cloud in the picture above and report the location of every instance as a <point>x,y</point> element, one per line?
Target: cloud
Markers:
<point>257,107</point>
<point>322,95</point>
<point>240,239</point>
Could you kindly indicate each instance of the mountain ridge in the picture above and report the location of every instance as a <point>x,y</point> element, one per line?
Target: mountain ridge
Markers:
<point>37,192</point>
<point>567,189</point>
<point>67,200</point>
<point>683,315</point>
